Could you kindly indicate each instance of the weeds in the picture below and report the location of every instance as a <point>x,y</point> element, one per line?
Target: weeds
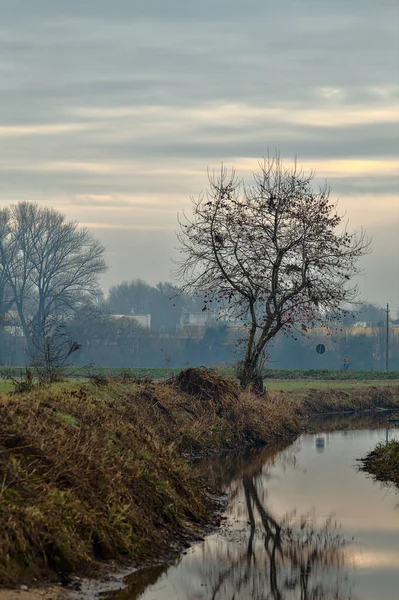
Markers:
<point>383,462</point>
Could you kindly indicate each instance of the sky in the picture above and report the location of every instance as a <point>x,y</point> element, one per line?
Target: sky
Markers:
<point>112,112</point>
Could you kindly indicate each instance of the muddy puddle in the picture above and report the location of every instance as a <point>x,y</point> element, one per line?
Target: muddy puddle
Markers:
<point>302,522</point>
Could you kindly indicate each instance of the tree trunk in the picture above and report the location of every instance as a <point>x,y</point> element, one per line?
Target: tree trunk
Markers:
<point>26,329</point>
<point>249,375</point>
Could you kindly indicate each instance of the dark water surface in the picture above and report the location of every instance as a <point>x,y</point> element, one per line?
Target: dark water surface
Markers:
<point>302,522</point>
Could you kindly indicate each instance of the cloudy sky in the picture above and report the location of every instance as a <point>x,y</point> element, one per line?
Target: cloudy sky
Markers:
<point>112,112</point>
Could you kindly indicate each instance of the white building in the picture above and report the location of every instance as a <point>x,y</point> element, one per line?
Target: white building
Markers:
<point>141,320</point>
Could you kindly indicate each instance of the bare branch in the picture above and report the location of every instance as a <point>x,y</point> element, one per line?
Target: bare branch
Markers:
<point>48,264</point>
<point>271,250</point>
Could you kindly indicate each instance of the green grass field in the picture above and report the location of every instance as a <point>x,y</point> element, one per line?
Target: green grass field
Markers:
<point>284,385</point>
<point>276,379</point>
<point>5,387</point>
<point>280,374</point>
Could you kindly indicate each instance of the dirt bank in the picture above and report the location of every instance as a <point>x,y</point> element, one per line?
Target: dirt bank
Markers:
<point>49,593</point>
<point>100,471</point>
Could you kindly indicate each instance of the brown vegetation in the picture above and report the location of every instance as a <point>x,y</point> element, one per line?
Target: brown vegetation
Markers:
<point>330,400</point>
<point>96,471</point>
<point>383,462</point>
<point>99,470</point>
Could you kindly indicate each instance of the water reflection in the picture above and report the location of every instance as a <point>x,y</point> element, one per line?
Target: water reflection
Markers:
<point>276,558</point>
<point>138,582</point>
<point>281,540</point>
<point>368,420</point>
<point>295,557</point>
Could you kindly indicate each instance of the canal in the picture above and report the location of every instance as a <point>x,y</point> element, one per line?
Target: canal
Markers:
<point>302,521</point>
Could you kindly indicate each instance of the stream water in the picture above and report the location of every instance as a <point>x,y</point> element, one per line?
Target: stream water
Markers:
<point>302,522</point>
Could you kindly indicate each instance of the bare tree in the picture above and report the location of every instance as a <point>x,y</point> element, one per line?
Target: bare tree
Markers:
<point>53,352</point>
<point>49,264</point>
<point>277,252</point>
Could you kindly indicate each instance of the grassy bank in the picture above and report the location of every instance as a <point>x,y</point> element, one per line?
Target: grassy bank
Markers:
<point>383,462</point>
<point>316,401</point>
<point>99,470</point>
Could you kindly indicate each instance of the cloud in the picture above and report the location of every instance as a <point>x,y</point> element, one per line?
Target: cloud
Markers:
<point>110,227</point>
<point>25,131</point>
<point>112,112</point>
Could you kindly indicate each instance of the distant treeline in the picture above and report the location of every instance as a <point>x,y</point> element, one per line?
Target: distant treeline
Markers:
<point>51,306</point>
<point>120,342</point>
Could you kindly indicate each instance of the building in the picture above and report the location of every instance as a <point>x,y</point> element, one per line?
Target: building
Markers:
<point>143,321</point>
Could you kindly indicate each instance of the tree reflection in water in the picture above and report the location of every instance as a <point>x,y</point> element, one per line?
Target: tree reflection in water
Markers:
<point>282,558</point>
<point>271,558</point>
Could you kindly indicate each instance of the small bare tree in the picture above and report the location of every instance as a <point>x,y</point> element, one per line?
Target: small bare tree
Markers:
<point>276,252</point>
<point>53,351</point>
<point>49,265</point>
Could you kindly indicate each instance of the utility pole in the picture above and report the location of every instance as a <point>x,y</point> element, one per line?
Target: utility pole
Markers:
<point>387,343</point>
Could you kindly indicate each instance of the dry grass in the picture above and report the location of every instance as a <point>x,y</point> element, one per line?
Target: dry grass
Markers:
<point>383,462</point>
<point>348,400</point>
<point>85,476</point>
<point>98,470</point>
<point>201,412</point>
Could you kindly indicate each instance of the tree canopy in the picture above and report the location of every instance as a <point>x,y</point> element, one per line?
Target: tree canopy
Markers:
<point>48,266</point>
<point>276,251</point>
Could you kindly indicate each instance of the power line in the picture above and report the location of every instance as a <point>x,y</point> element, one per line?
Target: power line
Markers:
<point>387,343</point>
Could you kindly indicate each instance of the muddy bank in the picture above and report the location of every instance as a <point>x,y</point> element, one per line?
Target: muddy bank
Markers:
<point>100,471</point>
<point>48,593</point>
<point>383,462</point>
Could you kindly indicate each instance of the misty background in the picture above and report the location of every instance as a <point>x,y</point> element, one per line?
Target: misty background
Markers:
<point>140,325</point>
